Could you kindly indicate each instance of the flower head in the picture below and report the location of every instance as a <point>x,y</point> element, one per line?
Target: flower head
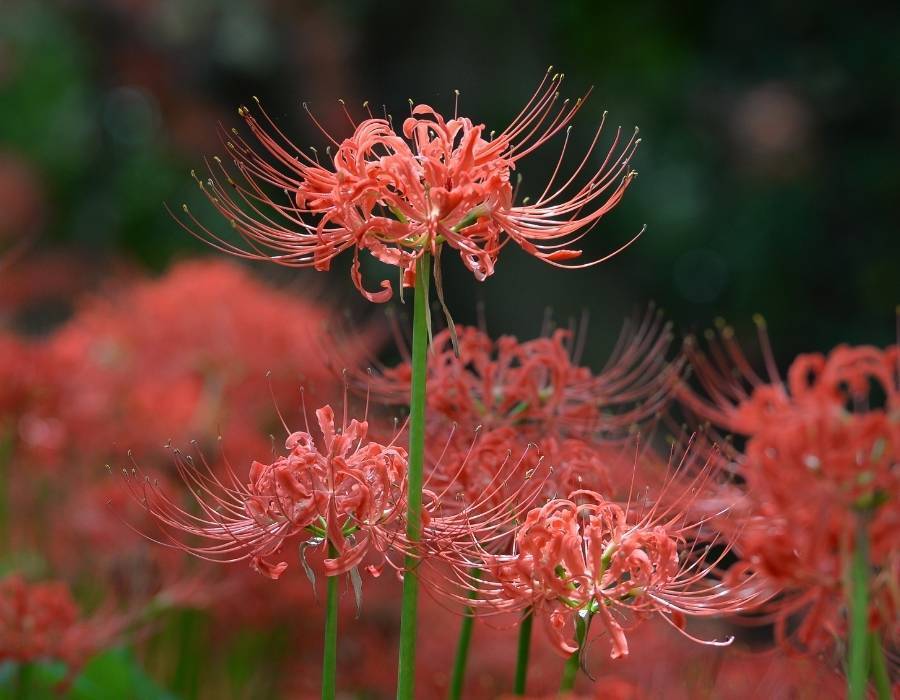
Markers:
<point>402,195</point>
<point>819,463</point>
<point>538,386</point>
<point>591,558</point>
<point>100,379</point>
<point>40,622</point>
<point>533,398</point>
<point>345,492</point>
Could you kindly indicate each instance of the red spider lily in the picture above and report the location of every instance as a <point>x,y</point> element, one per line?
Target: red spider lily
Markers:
<point>40,622</point>
<point>820,462</point>
<point>515,394</point>
<point>402,196</point>
<point>588,556</point>
<point>349,489</point>
<point>537,386</point>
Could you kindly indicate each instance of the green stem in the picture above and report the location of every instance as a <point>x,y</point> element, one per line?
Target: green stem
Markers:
<point>407,662</point>
<point>879,668</point>
<point>524,651</point>
<point>462,646</point>
<point>190,631</point>
<point>858,659</point>
<point>329,658</point>
<point>570,672</point>
<point>23,685</point>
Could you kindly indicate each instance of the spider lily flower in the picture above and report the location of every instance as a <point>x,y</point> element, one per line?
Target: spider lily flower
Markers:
<point>538,386</point>
<point>540,383</point>
<point>535,392</point>
<point>819,464</point>
<point>400,195</point>
<point>346,492</point>
<point>590,557</point>
<point>735,397</point>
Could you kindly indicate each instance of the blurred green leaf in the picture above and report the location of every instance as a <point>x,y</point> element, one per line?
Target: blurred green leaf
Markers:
<point>116,674</point>
<point>113,675</point>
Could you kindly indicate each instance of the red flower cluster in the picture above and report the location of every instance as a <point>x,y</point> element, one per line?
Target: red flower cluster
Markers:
<point>589,557</point>
<point>183,356</point>
<point>513,394</point>
<point>40,622</point>
<point>403,196</point>
<point>537,386</point>
<point>819,465</point>
<point>173,359</point>
<point>347,494</point>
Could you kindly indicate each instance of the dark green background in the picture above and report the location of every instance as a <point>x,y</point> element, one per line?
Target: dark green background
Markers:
<point>769,178</point>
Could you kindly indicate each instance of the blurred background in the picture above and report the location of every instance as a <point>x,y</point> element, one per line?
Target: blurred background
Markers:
<point>768,175</point>
<point>769,183</point>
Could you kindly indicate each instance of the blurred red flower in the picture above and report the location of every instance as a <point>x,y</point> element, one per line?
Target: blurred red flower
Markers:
<point>819,465</point>
<point>183,357</point>
<point>40,622</point>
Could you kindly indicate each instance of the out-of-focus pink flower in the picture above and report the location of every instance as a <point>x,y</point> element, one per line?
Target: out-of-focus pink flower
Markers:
<point>819,463</point>
<point>34,620</point>
<point>183,357</point>
<point>402,195</point>
<point>40,621</point>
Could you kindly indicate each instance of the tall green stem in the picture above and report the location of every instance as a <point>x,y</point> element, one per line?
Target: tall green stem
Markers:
<point>524,651</point>
<point>23,687</point>
<point>858,660</point>
<point>329,658</point>
<point>190,630</point>
<point>407,664</point>
<point>879,668</point>
<point>462,646</point>
<point>570,672</point>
